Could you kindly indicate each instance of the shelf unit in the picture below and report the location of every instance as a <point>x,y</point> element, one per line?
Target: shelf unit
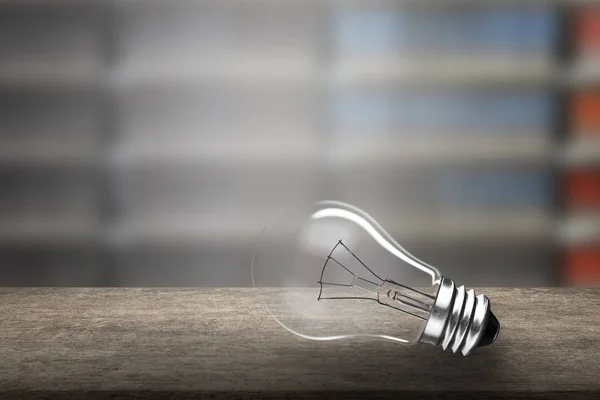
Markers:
<point>125,70</point>
<point>580,243</point>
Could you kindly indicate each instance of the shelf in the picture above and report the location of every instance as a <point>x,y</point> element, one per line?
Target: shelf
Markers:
<point>191,230</point>
<point>461,227</point>
<point>228,3</point>
<point>285,69</point>
<point>184,231</point>
<point>442,4</point>
<point>474,226</point>
<point>426,149</point>
<point>235,73</point>
<point>580,228</point>
<point>584,72</point>
<point>453,70</point>
<point>49,230</point>
<point>50,74</point>
<point>244,150</point>
<point>581,151</point>
<point>421,150</point>
<point>69,3</point>
<point>48,155</point>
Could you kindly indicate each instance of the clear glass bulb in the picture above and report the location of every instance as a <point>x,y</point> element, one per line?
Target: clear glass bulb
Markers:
<point>330,272</point>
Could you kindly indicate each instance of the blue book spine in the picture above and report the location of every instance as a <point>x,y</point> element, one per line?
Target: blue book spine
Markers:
<point>443,112</point>
<point>502,29</point>
<point>501,188</point>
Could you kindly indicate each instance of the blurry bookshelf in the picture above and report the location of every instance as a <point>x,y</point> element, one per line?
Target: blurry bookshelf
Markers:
<point>581,178</point>
<point>147,143</point>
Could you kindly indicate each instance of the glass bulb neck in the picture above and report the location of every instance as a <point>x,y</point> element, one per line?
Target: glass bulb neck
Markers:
<point>459,320</point>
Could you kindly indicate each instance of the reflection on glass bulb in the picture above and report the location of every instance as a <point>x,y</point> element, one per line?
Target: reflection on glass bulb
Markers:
<point>332,272</point>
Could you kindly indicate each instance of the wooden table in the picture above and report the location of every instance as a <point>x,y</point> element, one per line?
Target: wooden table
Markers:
<point>219,343</point>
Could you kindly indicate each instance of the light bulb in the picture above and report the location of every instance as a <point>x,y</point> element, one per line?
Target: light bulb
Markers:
<point>330,272</point>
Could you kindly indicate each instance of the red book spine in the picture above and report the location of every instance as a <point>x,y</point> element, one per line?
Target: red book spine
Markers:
<point>585,112</point>
<point>582,189</point>
<point>582,266</point>
<point>587,30</point>
<point>581,186</point>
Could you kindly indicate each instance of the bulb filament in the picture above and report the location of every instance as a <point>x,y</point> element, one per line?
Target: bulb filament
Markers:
<point>384,291</point>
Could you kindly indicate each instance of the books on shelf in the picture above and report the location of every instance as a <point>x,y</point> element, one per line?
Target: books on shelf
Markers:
<point>587,30</point>
<point>486,29</point>
<point>585,112</point>
<point>582,189</point>
<point>581,182</point>
<point>582,265</point>
<point>585,66</point>
<point>495,188</point>
<point>442,111</point>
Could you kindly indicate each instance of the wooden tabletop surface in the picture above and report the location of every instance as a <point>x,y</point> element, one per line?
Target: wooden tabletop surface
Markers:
<point>221,343</point>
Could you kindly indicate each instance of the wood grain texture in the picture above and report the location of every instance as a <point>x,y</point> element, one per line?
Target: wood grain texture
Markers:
<point>220,343</point>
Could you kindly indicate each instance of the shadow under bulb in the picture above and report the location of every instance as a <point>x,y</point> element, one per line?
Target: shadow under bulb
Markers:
<point>330,271</point>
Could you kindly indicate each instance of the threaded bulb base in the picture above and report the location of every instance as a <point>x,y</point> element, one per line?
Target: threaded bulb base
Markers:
<point>459,320</point>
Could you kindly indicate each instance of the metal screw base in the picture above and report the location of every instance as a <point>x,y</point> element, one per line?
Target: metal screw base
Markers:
<point>459,320</point>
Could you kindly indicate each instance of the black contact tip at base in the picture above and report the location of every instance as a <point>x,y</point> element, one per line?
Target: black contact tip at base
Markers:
<point>491,331</point>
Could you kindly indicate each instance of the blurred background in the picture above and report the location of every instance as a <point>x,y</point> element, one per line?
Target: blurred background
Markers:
<point>147,143</point>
